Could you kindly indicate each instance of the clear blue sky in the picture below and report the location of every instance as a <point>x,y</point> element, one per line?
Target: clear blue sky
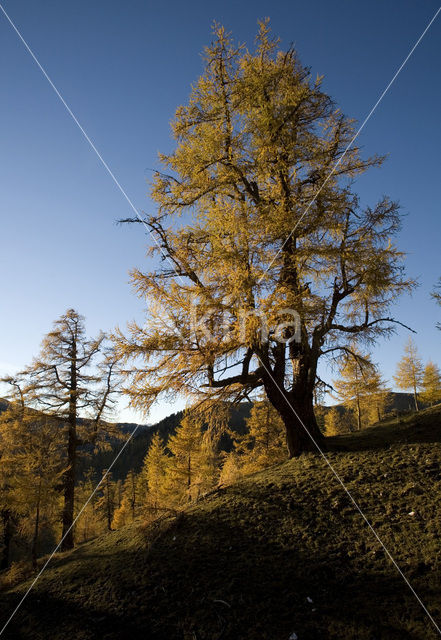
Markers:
<point>123,68</point>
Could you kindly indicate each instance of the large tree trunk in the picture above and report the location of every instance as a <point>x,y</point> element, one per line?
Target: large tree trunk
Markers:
<point>296,407</point>
<point>302,431</point>
<point>6,538</point>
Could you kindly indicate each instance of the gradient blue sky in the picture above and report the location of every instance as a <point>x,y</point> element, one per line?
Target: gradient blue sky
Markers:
<point>123,68</point>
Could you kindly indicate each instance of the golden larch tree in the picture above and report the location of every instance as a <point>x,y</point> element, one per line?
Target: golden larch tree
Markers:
<point>73,380</point>
<point>185,446</point>
<point>153,477</point>
<point>409,373</point>
<point>359,385</point>
<point>269,261</point>
<point>263,444</point>
<point>431,384</point>
<point>337,423</point>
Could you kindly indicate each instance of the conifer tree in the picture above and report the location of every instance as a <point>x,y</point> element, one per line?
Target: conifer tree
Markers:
<point>142,486</point>
<point>271,229</point>
<point>154,476</point>
<point>337,423</point>
<point>358,383</point>
<point>231,469</point>
<point>207,474</point>
<point>67,382</point>
<point>119,493</point>
<point>6,516</point>
<point>409,373</point>
<point>319,407</point>
<point>35,487</point>
<point>107,500</point>
<point>378,398</point>
<point>130,492</point>
<point>431,384</point>
<point>263,444</point>
<point>92,521</point>
<point>122,515</point>
<point>6,525</point>
<point>184,468</point>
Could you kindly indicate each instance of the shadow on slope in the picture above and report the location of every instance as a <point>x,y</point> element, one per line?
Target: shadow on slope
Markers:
<point>280,552</point>
<point>267,596</point>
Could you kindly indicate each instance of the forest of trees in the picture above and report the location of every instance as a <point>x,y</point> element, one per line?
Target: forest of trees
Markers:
<point>274,268</point>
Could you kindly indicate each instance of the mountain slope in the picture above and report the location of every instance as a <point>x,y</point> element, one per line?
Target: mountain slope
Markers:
<point>282,551</point>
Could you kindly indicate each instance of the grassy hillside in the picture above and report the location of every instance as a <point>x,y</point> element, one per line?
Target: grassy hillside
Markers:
<point>281,552</point>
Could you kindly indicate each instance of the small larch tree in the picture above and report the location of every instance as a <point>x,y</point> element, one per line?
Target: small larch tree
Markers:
<point>431,384</point>
<point>409,373</point>
<point>263,443</point>
<point>6,506</point>
<point>33,453</point>
<point>269,261</point>
<point>91,522</point>
<point>152,483</point>
<point>107,501</point>
<point>122,515</point>
<point>379,399</point>
<point>73,379</point>
<point>184,469</point>
<point>359,385</point>
<point>207,475</point>
<point>337,422</point>
<point>130,492</point>
<point>231,470</point>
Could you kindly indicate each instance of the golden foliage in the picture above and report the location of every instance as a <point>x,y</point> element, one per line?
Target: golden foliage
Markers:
<point>336,423</point>
<point>251,221</point>
<point>431,384</point>
<point>361,389</point>
<point>264,444</point>
<point>409,373</point>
